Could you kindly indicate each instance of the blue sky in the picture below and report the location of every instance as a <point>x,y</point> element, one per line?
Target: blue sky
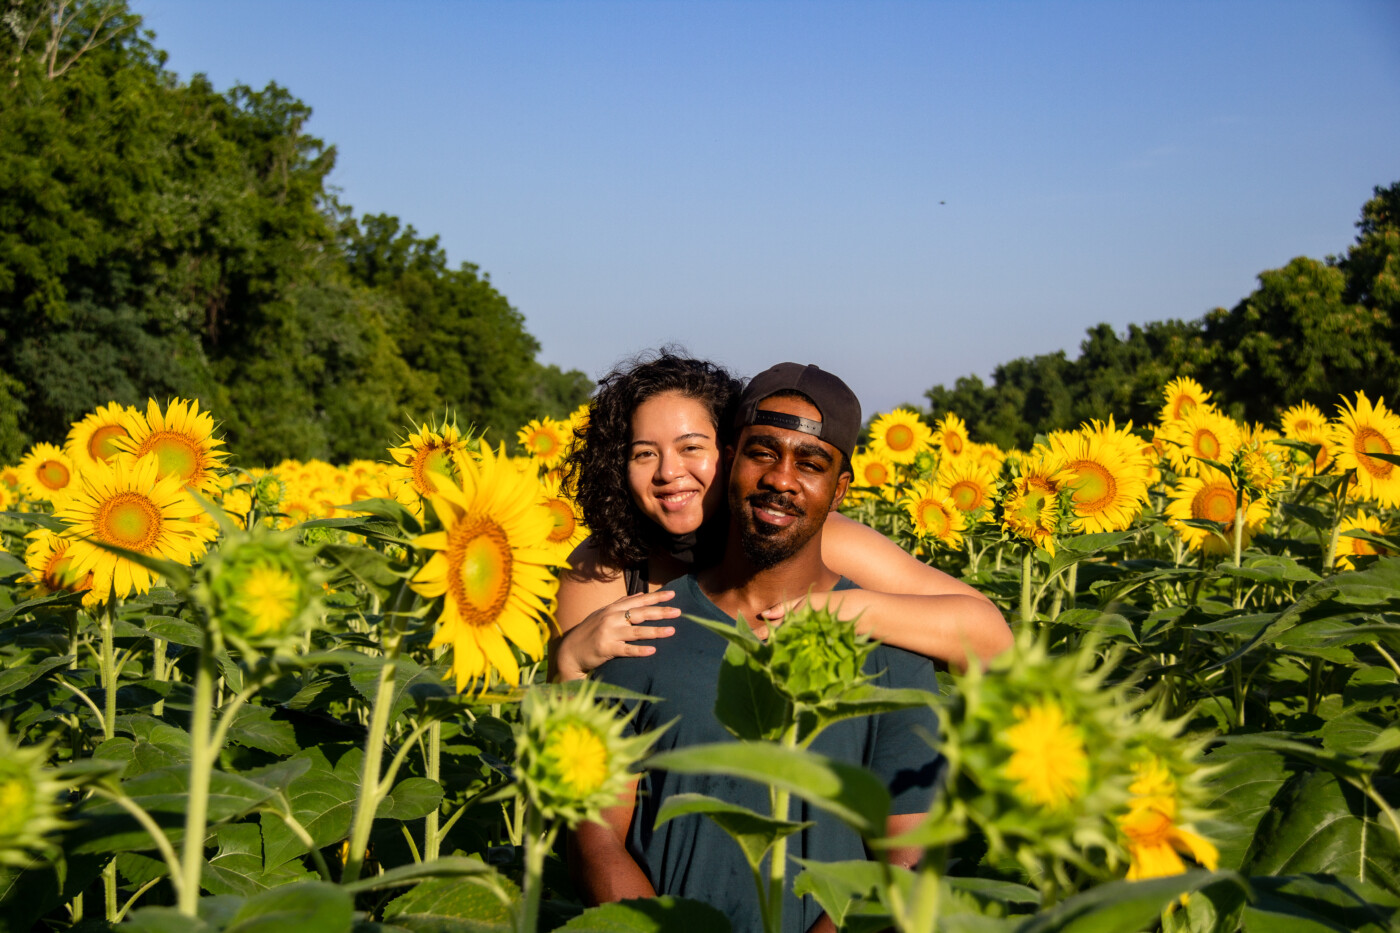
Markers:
<point>900,192</point>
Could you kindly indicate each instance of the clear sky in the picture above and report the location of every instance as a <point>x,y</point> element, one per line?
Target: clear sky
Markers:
<point>900,192</point>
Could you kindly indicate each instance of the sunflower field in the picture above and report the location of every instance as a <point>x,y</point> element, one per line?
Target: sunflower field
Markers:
<point>313,696</point>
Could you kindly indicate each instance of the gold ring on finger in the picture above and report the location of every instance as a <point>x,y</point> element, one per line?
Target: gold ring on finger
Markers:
<point>627,616</point>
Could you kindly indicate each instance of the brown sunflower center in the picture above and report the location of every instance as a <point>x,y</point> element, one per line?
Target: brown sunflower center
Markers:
<point>479,553</point>
<point>102,444</point>
<point>432,458</point>
<point>933,517</point>
<point>129,520</point>
<point>876,474</point>
<point>899,437</point>
<point>53,474</point>
<point>1183,406</point>
<point>967,495</point>
<point>543,444</point>
<point>1371,441</point>
<point>952,442</point>
<point>1094,486</point>
<point>1207,444</point>
<point>1214,502</point>
<point>564,521</point>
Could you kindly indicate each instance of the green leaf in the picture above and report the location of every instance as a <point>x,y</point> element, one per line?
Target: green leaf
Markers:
<point>411,799</point>
<point>1354,730</point>
<point>310,907</point>
<point>321,800</point>
<point>746,702</point>
<point>1078,548</point>
<point>1241,789</point>
<point>11,565</point>
<point>390,510</point>
<point>237,868</point>
<point>754,832</point>
<point>852,794</point>
<point>664,914</point>
<point>1096,620</point>
<point>841,887</point>
<point>1320,824</point>
<point>412,684</point>
<point>255,727</point>
<point>42,519</point>
<point>870,700</point>
<point>16,678</point>
<point>369,568</point>
<point>452,866</point>
<point>485,898</point>
<point>175,631</point>
<point>1119,906</point>
<point>1317,903</point>
<point>29,605</point>
<point>1275,570</point>
<point>164,794</point>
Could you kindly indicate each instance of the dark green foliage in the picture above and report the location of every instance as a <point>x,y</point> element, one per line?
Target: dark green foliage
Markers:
<point>1311,331</point>
<point>160,238</point>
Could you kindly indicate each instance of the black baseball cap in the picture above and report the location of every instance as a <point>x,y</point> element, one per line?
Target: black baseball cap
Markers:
<point>839,407</point>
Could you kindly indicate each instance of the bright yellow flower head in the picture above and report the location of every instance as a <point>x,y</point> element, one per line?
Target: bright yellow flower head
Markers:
<point>46,473</point>
<point>1031,507</point>
<point>1048,761</point>
<point>50,568</point>
<point>1109,487</point>
<point>934,515</point>
<point>969,481</point>
<point>1349,547</point>
<point>872,471</point>
<point>491,567</point>
<point>1201,433</point>
<point>1154,838</point>
<point>1363,429</point>
<point>1212,498</point>
<point>1180,397</point>
<point>181,438</point>
<point>569,530</point>
<point>95,436</point>
<point>950,436</point>
<point>545,439</point>
<point>429,459</point>
<point>900,436</point>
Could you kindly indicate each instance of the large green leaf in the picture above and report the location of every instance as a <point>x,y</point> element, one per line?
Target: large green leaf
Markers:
<point>106,827</point>
<point>1318,903</point>
<point>1078,548</point>
<point>1241,790</point>
<point>22,675</point>
<point>746,702</point>
<point>310,907</point>
<point>411,799</point>
<point>369,568</point>
<point>851,793</point>
<point>237,868</point>
<point>10,565</point>
<point>412,684</point>
<point>322,800</point>
<point>256,727</point>
<point>870,700</point>
<point>754,832</point>
<point>843,887</point>
<point>1321,824</point>
<point>1121,906</point>
<point>451,866</point>
<point>485,899</point>
<point>664,914</point>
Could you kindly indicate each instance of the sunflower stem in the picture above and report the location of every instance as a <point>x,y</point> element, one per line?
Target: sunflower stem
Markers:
<point>1071,584</point>
<point>432,769</point>
<point>1329,562</point>
<point>371,787</point>
<point>1239,547</point>
<point>1027,564</point>
<point>158,672</point>
<point>538,842</point>
<point>109,676</point>
<point>201,766</point>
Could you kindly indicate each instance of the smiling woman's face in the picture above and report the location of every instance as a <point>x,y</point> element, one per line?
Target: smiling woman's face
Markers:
<point>673,462</point>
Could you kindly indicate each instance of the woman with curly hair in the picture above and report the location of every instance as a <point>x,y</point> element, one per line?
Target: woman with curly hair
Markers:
<point>649,480</point>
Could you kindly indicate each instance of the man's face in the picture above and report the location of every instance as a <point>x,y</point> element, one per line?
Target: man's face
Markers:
<point>782,484</point>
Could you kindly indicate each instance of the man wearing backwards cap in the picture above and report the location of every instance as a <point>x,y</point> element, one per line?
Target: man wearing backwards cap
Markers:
<point>788,467</point>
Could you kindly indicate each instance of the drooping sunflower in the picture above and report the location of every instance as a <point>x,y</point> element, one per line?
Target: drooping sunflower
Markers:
<point>1156,841</point>
<point>95,436</point>
<point>491,568</point>
<point>1201,433</point>
<point>545,439</point>
<point>970,482</point>
<point>1212,498</point>
<point>950,436</point>
<point>181,438</point>
<point>1180,397</point>
<point>874,474</point>
<point>431,458</point>
<point>934,514</point>
<point>569,530</point>
<point>1048,760</point>
<point>130,504</point>
<point>1349,547</point>
<point>46,474</point>
<point>1109,487</point>
<point>50,568</point>
<point>900,436</point>
<point>1363,429</point>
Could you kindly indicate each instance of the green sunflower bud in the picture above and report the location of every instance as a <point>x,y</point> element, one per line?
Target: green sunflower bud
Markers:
<point>261,589</point>
<point>269,492</point>
<point>815,657</point>
<point>29,808</point>
<point>318,535</point>
<point>572,757</point>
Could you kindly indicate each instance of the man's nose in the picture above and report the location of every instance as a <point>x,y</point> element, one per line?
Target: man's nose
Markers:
<point>781,476</point>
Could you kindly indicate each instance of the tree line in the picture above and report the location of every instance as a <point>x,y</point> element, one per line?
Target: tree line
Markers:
<point>159,237</point>
<point>1311,331</point>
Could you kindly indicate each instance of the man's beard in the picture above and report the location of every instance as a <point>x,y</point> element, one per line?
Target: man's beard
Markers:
<point>767,545</point>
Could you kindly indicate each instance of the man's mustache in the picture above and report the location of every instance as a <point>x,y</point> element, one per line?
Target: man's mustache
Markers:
<point>776,502</point>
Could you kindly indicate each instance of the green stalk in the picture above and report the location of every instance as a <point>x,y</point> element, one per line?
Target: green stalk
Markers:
<point>1239,547</point>
<point>159,671</point>
<point>201,766</point>
<point>371,788</point>
<point>109,889</point>
<point>432,768</point>
<point>538,842</point>
<point>1330,560</point>
<point>1027,563</point>
<point>1071,584</point>
<point>108,664</point>
<point>777,858</point>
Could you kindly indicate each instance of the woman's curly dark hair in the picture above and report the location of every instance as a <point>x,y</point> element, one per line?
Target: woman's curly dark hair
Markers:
<point>596,466</point>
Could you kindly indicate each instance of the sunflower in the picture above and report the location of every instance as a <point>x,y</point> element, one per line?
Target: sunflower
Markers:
<point>1048,762</point>
<point>129,504</point>
<point>1212,499</point>
<point>50,568</point>
<point>491,568</point>
<point>1031,507</point>
<point>29,803</point>
<point>874,473</point>
<point>1201,433</point>
<point>969,482</point>
<point>545,439</point>
<point>1364,429</point>
<point>1155,841</point>
<point>9,478</point>
<point>95,436</point>
<point>46,473</point>
<point>1305,422</point>
<point>934,514</point>
<point>8,498</point>
<point>1180,397</point>
<point>1109,487</point>
<point>950,436</point>
<point>568,531</point>
<point>1349,547</point>
<point>900,436</point>
<point>430,459</point>
<point>182,439</point>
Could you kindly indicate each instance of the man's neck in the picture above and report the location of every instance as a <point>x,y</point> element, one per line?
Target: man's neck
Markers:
<point>739,588</point>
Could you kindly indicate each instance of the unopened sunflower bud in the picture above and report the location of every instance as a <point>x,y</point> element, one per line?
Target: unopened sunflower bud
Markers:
<point>261,589</point>
<point>269,491</point>
<point>29,808</point>
<point>814,656</point>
